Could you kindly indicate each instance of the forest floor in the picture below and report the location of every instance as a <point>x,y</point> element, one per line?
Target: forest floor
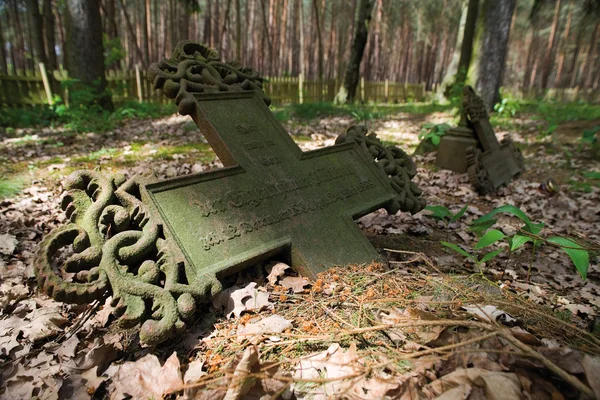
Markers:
<point>425,324</point>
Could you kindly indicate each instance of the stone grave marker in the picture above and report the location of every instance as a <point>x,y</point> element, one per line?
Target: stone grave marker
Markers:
<point>162,247</point>
<point>472,147</point>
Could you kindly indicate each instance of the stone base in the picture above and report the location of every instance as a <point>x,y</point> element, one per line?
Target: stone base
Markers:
<point>452,152</point>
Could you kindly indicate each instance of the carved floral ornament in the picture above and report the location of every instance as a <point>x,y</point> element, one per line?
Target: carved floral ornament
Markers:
<point>118,246</point>
<point>196,68</point>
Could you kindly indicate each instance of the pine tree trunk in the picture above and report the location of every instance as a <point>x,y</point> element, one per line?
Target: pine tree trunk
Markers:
<point>3,58</point>
<point>86,58</point>
<point>348,91</point>
<point>49,35</point>
<point>466,50</point>
<point>564,39</point>
<point>498,16</point>
<point>36,31</point>
<point>550,48</point>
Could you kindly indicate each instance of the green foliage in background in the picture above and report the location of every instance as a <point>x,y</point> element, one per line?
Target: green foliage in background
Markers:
<point>80,118</point>
<point>10,187</point>
<point>433,132</point>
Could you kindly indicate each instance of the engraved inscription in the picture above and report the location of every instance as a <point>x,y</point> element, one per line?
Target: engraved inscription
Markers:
<point>269,160</point>
<point>280,188</point>
<point>246,129</point>
<point>296,208</point>
<point>258,144</point>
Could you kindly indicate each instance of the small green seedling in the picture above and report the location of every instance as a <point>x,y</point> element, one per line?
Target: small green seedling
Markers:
<point>478,261</point>
<point>445,215</point>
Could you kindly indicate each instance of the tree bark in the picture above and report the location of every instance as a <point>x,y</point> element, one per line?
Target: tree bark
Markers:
<point>466,50</point>
<point>3,58</point>
<point>564,39</point>
<point>129,27</point>
<point>550,48</point>
<point>49,36</point>
<point>36,31</point>
<point>498,16</point>
<point>86,58</point>
<point>319,41</point>
<point>238,31</point>
<point>348,90</point>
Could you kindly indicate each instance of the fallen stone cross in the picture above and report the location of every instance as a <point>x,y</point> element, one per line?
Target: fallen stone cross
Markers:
<point>161,247</point>
<point>472,147</point>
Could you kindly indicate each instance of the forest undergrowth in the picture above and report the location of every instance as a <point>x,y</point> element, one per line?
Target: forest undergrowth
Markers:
<point>423,324</point>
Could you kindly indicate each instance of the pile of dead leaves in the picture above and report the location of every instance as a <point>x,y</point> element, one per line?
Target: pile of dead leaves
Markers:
<point>360,332</point>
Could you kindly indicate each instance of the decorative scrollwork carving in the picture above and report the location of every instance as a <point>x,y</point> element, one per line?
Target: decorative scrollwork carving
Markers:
<point>118,246</point>
<point>473,106</point>
<point>478,174</point>
<point>196,68</point>
<point>394,163</point>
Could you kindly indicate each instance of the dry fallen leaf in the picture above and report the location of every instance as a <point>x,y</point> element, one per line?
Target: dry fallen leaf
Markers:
<point>496,385</point>
<point>146,378</point>
<point>489,313</point>
<point>271,324</point>
<point>43,323</point>
<point>236,300</point>
<point>344,373</point>
<point>276,271</point>
<point>8,244</point>
<point>296,283</point>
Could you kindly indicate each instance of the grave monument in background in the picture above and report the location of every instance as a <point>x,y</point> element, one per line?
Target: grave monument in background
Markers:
<point>472,147</point>
<point>162,247</point>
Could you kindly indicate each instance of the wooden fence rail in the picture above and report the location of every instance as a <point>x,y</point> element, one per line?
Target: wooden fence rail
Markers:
<point>26,88</point>
<point>33,88</point>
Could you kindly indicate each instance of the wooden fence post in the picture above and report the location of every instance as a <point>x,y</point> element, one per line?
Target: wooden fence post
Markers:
<point>301,88</point>
<point>138,81</point>
<point>386,90</point>
<point>362,89</point>
<point>46,83</point>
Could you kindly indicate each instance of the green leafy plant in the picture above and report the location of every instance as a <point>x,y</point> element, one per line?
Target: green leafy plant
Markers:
<point>507,108</point>
<point>590,135</point>
<point>529,232</point>
<point>473,256</point>
<point>444,214</point>
<point>433,132</point>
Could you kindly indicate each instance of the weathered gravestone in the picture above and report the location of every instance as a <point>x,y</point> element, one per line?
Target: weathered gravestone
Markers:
<point>473,147</point>
<point>161,247</point>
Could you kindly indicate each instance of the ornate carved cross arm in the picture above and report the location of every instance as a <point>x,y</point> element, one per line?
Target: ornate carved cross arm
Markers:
<point>118,247</point>
<point>197,68</point>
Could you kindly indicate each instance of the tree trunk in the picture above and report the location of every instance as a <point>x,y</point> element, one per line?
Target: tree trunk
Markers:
<point>129,27</point>
<point>18,40</point>
<point>549,56</point>
<point>466,50</point>
<point>302,66</point>
<point>238,31</point>
<point>50,39</point>
<point>86,58</point>
<point>223,44</point>
<point>588,69</point>
<point>564,39</point>
<point>498,16</point>
<point>36,32</point>
<point>3,58</point>
<point>348,91</point>
<point>319,41</point>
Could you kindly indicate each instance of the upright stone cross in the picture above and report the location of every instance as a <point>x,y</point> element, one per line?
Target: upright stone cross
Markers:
<point>167,244</point>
